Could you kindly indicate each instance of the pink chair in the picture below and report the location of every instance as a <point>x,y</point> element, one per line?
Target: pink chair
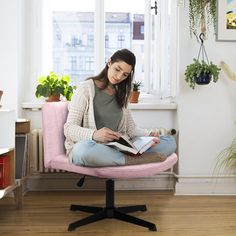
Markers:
<point>54,116</point>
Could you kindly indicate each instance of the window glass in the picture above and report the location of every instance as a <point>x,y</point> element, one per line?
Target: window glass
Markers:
<point>124,26</point>
<point>75,49</point>
<point>73,38</point>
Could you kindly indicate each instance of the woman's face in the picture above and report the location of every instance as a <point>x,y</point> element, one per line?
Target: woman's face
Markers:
<point>118,71</point>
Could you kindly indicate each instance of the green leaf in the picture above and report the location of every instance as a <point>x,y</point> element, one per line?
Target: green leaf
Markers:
<point>54,84</point>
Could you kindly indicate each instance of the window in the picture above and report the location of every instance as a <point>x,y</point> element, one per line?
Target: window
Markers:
<point>106,41</point>
<point>88,32</point>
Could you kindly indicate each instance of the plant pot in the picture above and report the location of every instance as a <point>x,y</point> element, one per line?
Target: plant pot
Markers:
<point>134,95</point>
<point>53,98</point>
<point>203,79</point>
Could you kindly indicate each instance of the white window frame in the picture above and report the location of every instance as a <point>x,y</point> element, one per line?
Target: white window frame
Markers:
<point>99,47</point>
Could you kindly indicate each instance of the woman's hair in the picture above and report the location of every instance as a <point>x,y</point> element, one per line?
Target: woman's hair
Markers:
<point>123,88</point>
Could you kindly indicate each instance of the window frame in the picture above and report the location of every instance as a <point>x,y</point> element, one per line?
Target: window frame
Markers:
<point>100,46</point>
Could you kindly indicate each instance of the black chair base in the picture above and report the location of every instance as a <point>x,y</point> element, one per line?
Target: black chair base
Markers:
<point>110,211</point>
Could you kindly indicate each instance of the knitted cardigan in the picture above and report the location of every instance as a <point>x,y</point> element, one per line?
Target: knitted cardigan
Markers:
<point>80,124</point>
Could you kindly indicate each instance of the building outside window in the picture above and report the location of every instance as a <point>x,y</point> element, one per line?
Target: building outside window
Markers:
<point>106,41</point>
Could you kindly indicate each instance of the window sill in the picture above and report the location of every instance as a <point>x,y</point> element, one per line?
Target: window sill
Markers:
<point>33,106</point>
<point>153,106</point>
<point>151,102</point>
<point>143,104</point>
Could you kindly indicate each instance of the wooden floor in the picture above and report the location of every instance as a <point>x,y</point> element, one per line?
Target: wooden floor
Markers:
<point>47,213</point>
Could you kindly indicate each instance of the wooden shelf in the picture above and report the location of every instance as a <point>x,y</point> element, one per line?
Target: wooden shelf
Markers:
<point>15,186</point>
<point>8,189</point>
<point>7,148</point>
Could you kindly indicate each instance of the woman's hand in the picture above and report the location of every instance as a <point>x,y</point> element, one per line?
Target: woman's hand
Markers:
<point>156,138</point>
<point>105,135</point>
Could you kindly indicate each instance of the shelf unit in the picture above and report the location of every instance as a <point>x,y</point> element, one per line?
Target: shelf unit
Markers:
<point>7,148</point>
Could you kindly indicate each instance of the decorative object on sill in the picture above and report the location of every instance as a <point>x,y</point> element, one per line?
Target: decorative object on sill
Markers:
<point>200,71</point>
<point>202,14</point>
<point>228,71</point>
<point>134,95</point>
<point>226,158</point>
<point>1,93</point>
<point>53,86</point>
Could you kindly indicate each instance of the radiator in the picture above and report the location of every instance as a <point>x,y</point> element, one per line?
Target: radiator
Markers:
<point>36,155</point>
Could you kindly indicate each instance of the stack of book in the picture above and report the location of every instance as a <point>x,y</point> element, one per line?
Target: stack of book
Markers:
<point>5,172</point>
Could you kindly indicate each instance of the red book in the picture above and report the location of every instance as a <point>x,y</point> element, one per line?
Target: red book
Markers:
<point>5,171</point>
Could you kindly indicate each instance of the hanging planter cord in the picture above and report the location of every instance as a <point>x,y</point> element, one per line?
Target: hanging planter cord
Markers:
<point>202,51</point>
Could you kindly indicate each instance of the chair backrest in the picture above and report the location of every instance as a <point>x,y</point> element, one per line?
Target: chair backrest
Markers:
<point>54,115</point>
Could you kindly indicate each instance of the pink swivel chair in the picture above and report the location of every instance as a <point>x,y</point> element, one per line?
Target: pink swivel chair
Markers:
<point>54,116</point>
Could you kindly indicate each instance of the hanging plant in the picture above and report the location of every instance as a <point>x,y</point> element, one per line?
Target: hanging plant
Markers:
<point>202,14</point>
<point>201,71</point>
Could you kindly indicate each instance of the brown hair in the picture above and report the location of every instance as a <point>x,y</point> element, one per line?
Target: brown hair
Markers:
<point>123,88</point>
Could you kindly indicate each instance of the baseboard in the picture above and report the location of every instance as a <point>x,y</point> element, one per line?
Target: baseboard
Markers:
<point>206,186</point>
<point>68,181</point>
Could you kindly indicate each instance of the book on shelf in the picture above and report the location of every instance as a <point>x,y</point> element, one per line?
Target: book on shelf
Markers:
<point>5,171</point>
<point>137,145</point>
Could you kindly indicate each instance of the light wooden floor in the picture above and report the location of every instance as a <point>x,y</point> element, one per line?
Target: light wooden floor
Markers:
<point>47,213</point>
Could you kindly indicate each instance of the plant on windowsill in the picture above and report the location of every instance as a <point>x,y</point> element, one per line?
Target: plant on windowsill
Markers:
<point>134,95</point>
<point>53,87</point>
<point>199,72</point>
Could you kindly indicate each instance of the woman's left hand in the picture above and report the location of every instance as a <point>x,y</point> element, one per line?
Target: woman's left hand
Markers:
<point>156,138</point>
<point>154,134</point>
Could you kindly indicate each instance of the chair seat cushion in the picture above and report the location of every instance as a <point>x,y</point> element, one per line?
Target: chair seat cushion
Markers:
<point>115,172</point>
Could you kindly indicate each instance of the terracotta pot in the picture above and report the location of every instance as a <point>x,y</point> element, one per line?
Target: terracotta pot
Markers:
<point>134,95</point>
<point>53,98</point>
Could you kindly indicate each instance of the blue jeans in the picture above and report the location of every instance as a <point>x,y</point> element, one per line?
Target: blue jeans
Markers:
<point>91,153</point>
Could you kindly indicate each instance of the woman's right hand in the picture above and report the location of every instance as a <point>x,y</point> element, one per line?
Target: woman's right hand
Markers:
<point>105,135</point>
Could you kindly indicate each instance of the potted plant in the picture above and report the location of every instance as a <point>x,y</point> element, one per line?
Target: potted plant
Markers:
<point>53,86</point>
<point>227,158</point>
<point>200,72</point>
<point>134,95</point>
<point>202,14</point>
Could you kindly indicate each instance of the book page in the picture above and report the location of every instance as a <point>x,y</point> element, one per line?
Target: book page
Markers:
<point>124,140</point>
<point>141,142</point>
<point>132,146</point>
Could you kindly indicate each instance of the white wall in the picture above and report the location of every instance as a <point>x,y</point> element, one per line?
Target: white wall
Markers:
<point>206,115</point>
<point>10,51</point>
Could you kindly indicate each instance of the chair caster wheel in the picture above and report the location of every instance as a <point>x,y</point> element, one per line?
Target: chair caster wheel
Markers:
<point>70,228</point>
<point>153,228</point>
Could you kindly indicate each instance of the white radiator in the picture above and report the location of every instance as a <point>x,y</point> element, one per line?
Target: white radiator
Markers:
<point>36,155</point>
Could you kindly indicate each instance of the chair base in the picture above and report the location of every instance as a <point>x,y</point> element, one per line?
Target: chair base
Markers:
<point>110,211</point>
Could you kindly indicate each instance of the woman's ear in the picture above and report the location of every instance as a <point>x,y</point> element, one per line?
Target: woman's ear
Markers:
<point>109,62</point>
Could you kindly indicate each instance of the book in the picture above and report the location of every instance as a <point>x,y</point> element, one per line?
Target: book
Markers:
<point>5,171</point>
<point>137,145</point>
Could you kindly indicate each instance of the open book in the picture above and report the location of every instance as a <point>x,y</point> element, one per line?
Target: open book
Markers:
<point>137,145</point>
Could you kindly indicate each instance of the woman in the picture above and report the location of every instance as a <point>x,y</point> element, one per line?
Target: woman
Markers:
<point>98,114</point>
